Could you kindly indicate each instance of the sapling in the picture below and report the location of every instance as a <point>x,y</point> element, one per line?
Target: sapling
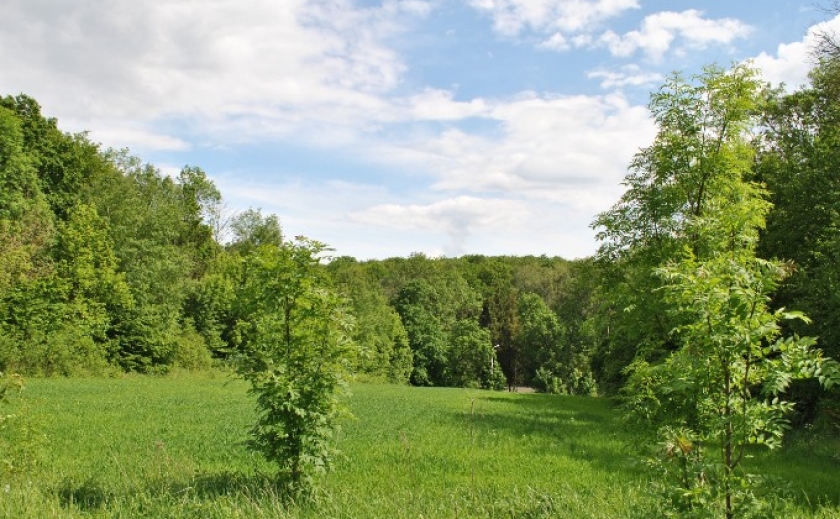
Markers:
<point>296,350</point>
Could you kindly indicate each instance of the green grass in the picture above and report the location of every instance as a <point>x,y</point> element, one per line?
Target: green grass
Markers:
<point>172,447</point>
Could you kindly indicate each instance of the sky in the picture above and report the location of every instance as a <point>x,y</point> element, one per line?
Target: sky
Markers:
<point>386,128</point>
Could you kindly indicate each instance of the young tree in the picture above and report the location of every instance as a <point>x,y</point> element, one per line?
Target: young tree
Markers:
<point>703,142</point>
<point>732,358</point>
<point>296,353</point>
<point>686,232</point>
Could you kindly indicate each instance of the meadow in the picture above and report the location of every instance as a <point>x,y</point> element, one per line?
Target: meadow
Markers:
<point>141,446</point>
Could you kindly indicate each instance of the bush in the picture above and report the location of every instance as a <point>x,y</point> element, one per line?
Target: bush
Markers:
<point>546,382</point>
<point>191,351</point>
<point>66,351</point>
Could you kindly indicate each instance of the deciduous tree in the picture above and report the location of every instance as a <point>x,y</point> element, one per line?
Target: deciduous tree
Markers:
<point>296,351</point>
<point>703,142</point>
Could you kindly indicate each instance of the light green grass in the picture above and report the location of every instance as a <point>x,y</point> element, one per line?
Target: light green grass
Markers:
<point>172,447</point>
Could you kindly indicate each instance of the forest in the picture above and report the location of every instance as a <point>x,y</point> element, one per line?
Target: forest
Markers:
<point>108,264</point>
<point>717,280</point>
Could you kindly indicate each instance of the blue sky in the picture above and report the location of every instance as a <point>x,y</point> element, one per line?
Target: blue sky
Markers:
<point>383,128</point>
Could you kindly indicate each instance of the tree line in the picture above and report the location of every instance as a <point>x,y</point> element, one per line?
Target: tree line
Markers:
<point>106,263</point>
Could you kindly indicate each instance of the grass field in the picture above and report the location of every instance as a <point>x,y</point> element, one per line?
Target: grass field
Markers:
<point>171,447</point>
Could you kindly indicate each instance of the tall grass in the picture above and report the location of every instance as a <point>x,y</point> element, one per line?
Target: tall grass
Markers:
<point>172,447</point>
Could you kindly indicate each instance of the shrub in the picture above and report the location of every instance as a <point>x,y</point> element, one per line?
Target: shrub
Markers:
<point>296,352</point>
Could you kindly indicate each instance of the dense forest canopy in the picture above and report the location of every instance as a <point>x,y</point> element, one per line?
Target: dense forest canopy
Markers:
<point>108,264</point>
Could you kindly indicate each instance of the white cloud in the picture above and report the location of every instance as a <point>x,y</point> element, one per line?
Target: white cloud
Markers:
<point>660,31</point>
<point>295,197</point>
<point>560,147</point>
<point>457,213</point>
<point>440,105</point>
<point>229,68</point>
<point>564,24</point>
<point>511,17</point>
<point>535,179</point>
<point>457,217</point>
<point>790,65</point>
<point>138,139</point>
<point>557,42</point>
<point>170,170</point>
<point>792,61</point>
<point>318,209</point>
<point>631,75</point>
<point>323,72</point>
<point>359,214</point>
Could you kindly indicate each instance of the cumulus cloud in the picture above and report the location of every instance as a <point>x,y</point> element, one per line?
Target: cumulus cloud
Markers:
<point>138,139</point>
<point>627,75</point>
<point>511,17</point>
<point>318,209</point>
<point>458,217</point>
<point>565,24</point>
<point>323,72</point>
<point>557,42</point>
<point>567,148</point>
<point>549,165</point>
<point>440,105</point>
<point>792,61</point>
<point>660,31</point>
<point>230,68</point>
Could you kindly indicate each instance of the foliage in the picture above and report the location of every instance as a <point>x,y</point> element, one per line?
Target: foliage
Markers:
<point>251,230</point>
<point>296,351</point>
<point>493,278</point>
<point>701,144</point>
<point>106,262</point>
<point>97,250</point>
<point>384,350</point>
<point>209,303</point>
<point>690,487</point>
<point>19,189</point>
<point>717,291</point>
<point>799,163</point>
<point>147,220</point>
<point>191,350</point>
<point>448,344</point>
<point>426,335</point>
<point>730,347</point>
<point>472,359</point>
